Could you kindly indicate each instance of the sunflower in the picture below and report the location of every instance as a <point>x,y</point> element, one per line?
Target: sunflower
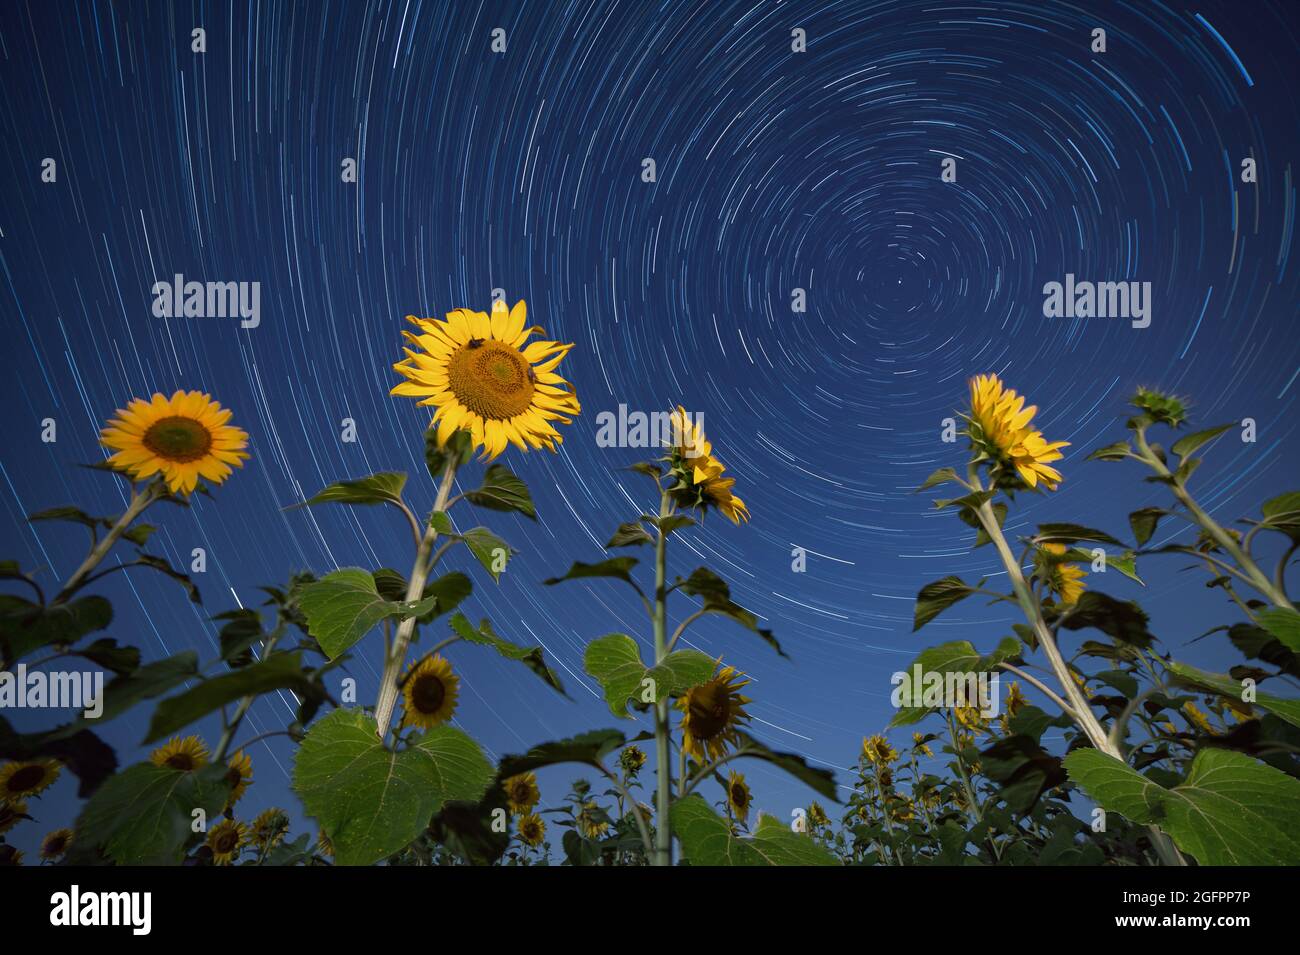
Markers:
<point>970,717</point>
<point>239,777</point>
<point>632,759</point>
<point>27,778</point>
<point>480,376</point>
<point>712,714</point>
<point>698,474</point>
<point>877,750</point>
<point>430,690</point>
<point>1063,578</point>
<point>10,855</point>
<point>56,843</point>
<point>11,813</point>
<point>226,839</point>
<point>183,438</point>
<point>1016,700</point>
<point>532,830</point>
<point>739,797</point>
<point>521,793</point>
<point>592,821</point>
<point>817,817</point>
<point>324,845</point>
<point>269,828</point>
<point>1198,719</point>
<point>920,745</point>
<point>186,754</point>
<point>999,428</point>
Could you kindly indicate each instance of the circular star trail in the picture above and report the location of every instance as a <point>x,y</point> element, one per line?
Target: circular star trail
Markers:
<point>779,175</point>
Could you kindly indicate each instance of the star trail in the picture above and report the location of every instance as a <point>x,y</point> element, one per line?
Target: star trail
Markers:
<point>778,174</point>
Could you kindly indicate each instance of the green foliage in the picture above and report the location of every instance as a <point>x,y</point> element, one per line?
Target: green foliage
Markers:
<point>372,801</point>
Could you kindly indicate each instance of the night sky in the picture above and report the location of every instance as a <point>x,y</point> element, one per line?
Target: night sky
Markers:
<point>522,170</point>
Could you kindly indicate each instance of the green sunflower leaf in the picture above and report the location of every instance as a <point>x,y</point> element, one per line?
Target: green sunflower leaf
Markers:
<point>373,802</point>
<point>1226,686</point>
<point>344,606</point>
<point>280,671</point>
<point>706,840</point>
<point>492,552</point>
<point>531,657</point>
<point>382,488</point>
<point>1284,624</point>
<point>143,815</point>
<point>502,490</point>
<point>934,598</point>
<point>1230,810</point>
<point>619,567</point>
<point>1188,444</point>
<point>615,661</point>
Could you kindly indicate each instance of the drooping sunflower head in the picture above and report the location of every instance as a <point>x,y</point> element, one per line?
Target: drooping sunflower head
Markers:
<point>713,714</point>
<point>480,374</point>
<point>239,776</point>
<point>532,829</point>
<point>11,813</point>
<point>269,828</point>
<point>739,797</point>
<point>429,691</point>
<point>185,755</point>
<point>1197,718</point>
<point>697,473</point>
<point>55,844</point>
<point>921,744</point>
<point>226,839</point>
<point>632,759</point>
<point>25,778</point>
<point>522,793</point>
<point>971,718</point>
<point>593,821</point>
<point>1063,577</point>
<point>1160,407</point>
<point>817,817</point>
<point>182,438</point>
<point>1001,433</point>
<point>877,751</point>
<point>1016,700</point>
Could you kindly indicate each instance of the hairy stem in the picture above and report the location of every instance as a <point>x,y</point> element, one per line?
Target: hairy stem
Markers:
<point>387,698</point>
<point>139,501</point>
<point>663,854</point>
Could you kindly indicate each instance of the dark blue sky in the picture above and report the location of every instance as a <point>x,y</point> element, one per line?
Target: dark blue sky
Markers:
<point>522,170</point>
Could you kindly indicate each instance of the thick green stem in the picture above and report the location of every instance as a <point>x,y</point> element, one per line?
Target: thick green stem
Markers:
<point>139,501</point>
<point>663,761</point>
<point>1258,579</point>
<point>396,656</point>
<point>228,734</point>
<point>1083,716</point>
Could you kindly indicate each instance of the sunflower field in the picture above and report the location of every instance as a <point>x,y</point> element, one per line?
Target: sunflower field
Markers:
<point>1102,747</point>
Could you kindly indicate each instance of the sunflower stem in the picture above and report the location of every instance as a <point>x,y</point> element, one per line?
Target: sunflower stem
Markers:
<point>228,734</point>
<point>1083,716</point>
<point>663,855</point>
<point>139,501</point>
<point>396,656</point>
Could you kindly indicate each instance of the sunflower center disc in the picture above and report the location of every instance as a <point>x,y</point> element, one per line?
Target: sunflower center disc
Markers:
<point>29,777</point>
<point>428,694</point>
<point>181,761</point>
<point>708,711</point>
<point>491,380</point>
<point>178,439</point>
